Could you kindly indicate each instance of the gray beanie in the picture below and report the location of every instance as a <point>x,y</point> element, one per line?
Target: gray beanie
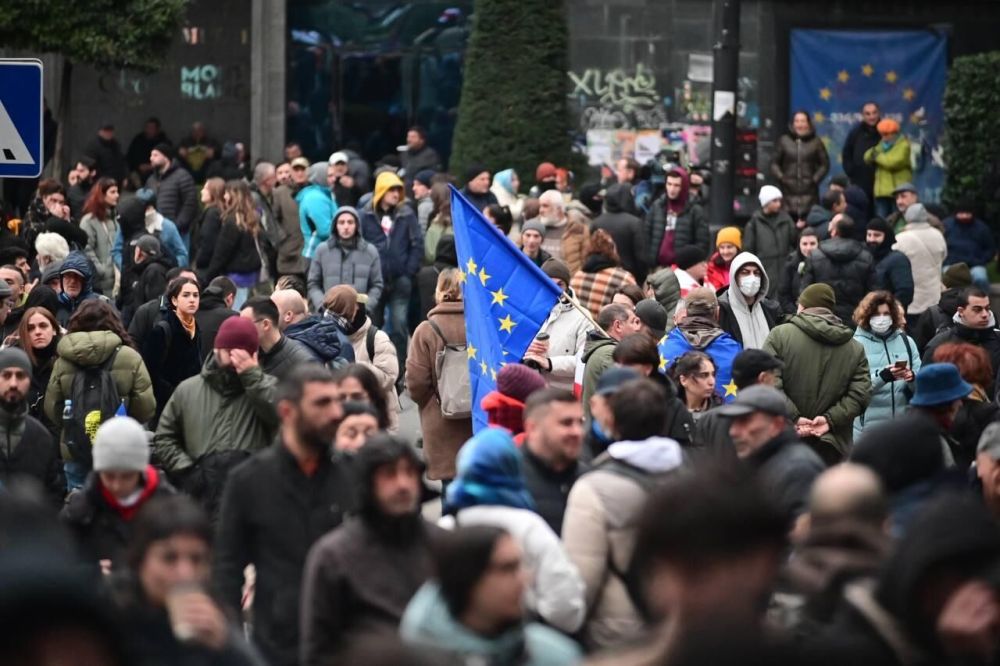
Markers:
<point>14,357</point>
<point>534,224</point>
<point>915,213</point>
<point>121,444</point>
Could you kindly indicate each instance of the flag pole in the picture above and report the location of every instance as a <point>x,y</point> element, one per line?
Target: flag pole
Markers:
<point>586,313</point>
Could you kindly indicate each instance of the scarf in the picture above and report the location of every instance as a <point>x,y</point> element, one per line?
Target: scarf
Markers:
<point>128,507</point>
<point>597,262</point>
<point>188,322</point>
<point>750,318</point>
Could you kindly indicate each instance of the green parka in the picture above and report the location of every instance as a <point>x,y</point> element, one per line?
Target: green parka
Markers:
<point>217,410</point>
<point>825,373</point>
<point>90,348</point>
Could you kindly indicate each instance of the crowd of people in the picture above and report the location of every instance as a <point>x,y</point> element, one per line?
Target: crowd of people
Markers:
<point>770,443</point>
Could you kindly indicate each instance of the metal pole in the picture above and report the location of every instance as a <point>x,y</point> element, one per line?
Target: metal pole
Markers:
<point>725,71</point>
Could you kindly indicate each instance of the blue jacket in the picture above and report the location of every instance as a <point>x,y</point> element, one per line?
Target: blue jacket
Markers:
<point>894,274</point>
<point>889,399</point>
<point>168,235</point>
<point>324,339</point>
<point>316,211</point>
<point>719,345</point>
<point>972,243</point>
<point>402,250</point>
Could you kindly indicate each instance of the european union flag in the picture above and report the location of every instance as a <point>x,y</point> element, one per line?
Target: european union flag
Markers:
<point>507,299</point>
<point>834,72</point>
<point>723,350</point>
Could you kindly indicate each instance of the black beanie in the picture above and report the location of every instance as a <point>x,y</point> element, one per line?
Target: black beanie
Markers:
<point>878,224</point>
<point>165,148</point>
<point>688,256</point>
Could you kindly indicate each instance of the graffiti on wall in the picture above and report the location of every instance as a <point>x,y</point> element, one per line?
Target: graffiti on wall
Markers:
<point>617,98</point>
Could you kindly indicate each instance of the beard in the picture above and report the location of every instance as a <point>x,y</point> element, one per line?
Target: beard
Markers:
<point>317,439</point>
<point>12,402</point>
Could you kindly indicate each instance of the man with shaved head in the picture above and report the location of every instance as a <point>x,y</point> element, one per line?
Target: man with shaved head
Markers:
<point>291,307</point>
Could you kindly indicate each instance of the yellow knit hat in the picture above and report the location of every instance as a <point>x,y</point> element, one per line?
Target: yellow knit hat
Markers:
<point>729,235</point>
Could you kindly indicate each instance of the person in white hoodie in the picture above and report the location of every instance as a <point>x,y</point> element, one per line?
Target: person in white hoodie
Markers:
<point>599,527</point>
<point>926,249</point>
<point>489,489</point>
<point>745,311</point>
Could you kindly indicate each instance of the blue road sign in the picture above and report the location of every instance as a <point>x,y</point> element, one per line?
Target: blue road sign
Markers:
<point>21,109</point>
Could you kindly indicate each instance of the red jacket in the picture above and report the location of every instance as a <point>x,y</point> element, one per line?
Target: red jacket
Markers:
<point>718,272</point>
<point>505,412</point>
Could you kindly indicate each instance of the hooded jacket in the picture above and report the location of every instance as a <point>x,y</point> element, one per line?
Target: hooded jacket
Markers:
<point>317,209</point>
<point>323,338</point>
<point>354,263</point>
<point>428,623</point>
<point>667,291</point>
<point>819,219</point>
<point>627,230</point>
<point>847,267</point>
<point>800,164</point>
<point>892,270</point>
<point>597,352</point>
<point>91,348</point>
<point>691,226</point>
<point>76,262</point>
<point>926,249</point>
<point>401,247</point>
<point>825,374</point>
<point>771,238</point>
<point>734,313</point>
<point>144,282</point>
<point>599,531</point>
<point>702,334</point>
<point>889,399</point>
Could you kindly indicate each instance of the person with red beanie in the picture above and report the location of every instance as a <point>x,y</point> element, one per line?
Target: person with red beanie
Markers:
<point>505,407</point>
<point>216,419</point>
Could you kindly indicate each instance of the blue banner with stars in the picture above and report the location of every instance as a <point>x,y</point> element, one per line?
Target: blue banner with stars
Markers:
<point>507,299</point>
<point>834,72</point>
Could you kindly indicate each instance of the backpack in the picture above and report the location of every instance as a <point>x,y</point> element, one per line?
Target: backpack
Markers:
<point>95,400</point>
<point>453,386</point>
<point>370,343</point>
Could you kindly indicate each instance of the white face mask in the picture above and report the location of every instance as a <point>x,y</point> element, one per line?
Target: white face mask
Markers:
<point>880,324</point>
<point>749,285</point>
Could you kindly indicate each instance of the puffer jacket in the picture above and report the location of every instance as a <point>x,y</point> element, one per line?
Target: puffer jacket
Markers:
<point>334,264</point>
<point>800,164</point>
<point>847,267</point>
<point>666,291</point>
<point>176,195</point>
<point>284,357</point>
<point>597,353</point>
<point>926,249</point>
<point>627,230</point>
<point>323,338</point>
<point>567,328</point>
<point>889,399</point>
<point>100,239</point>
<point>825,374</point>
<point>556,593</point>
<point>216,411</point>
<point>442,437</point>
<point>385,365</point>
<point>316,212</point>
<point>791,286</point>
<point>771,238</point>
<point>91,348</point>
<point>691,229</point>
<point>892,270</point>
<point>599,531</point>
<point>892,166</point>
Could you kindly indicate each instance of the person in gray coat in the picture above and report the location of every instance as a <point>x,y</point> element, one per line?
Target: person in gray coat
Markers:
<point>346,258</point>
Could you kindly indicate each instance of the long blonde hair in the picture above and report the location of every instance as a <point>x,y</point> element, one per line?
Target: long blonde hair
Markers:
<point>241,207</point>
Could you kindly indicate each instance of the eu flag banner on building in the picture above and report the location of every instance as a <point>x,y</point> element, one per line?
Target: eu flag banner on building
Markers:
<point>507,299</point>
<point>834,72</point>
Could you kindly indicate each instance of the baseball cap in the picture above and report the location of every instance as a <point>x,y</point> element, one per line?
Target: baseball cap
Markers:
<point>337,158</point>
<point>300,163</point>
<point>149,244</point>
<point>757,398</point>
<point>751,362</point>
<point>612,379</point>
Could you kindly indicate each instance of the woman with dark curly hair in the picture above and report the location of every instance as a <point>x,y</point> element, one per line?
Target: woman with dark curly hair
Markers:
<point>96,336</point>
<point>893,358</point>
<point>977,411</point>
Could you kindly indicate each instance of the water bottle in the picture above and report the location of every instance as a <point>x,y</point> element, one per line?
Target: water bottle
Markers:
<point>67,421</point>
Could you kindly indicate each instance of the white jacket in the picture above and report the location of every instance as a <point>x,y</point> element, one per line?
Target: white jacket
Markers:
<point>926,249</point>
<point>567,328</point>
<point>385,366</point>
<point>555,590</point>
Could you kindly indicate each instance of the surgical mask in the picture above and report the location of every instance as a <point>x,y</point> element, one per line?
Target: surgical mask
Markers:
<point>749,285</point>
<point>880,324</point>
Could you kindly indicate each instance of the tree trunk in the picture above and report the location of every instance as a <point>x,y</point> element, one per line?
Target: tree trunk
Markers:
<point>62,116</point>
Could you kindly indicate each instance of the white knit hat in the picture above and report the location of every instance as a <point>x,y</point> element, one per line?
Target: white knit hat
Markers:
<point>121,445</point>
<point>768,193</point>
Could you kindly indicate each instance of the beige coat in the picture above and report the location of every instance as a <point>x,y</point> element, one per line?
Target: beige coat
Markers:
<point>926,249</point>
<point>385,365</point>
<point>442,437</point>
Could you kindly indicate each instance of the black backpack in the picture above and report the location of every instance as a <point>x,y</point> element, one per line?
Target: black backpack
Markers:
<point>95,400</point>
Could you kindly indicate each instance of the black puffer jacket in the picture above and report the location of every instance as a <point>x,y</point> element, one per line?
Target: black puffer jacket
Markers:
<point>800,164</point>
<point>624,228</point>
<point>848,267</point>
<point>691,229</point>
<point>176,195</point>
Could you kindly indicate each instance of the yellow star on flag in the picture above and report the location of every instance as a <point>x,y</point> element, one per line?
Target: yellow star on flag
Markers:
<point>843,76</point>
<point>462,276</point>
<point>507,324</point>
<point>493,374</point>
<point>891,76</point>
<point>825,93</point>
<point>472,266</point>
<point>909,94</point>
<point>867,69</point>
<point>818,117</point>
<point>499,297</point>
<point>483,366</point>
<point>663,363</point>
<point>483,275</point>
<point>730,388</point>
<point>472,351</point>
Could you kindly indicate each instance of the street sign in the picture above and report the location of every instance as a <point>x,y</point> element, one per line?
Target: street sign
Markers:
<point>21,109</point>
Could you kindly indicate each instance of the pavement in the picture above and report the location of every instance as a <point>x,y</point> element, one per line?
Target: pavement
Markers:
<point>409,429</point>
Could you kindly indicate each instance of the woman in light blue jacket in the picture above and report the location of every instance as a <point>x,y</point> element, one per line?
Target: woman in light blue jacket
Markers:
<point>893,359</point>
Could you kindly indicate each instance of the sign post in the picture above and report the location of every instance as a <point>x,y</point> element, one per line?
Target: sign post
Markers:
<point>21,109</point>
